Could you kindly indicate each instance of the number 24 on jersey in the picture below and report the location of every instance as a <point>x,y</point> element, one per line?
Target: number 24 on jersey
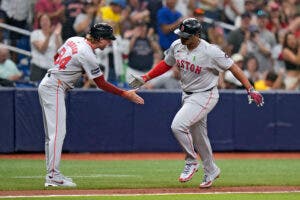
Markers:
<point>60,60</point>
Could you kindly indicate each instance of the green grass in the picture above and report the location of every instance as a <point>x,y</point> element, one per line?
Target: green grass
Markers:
<point>289,196</point>
<point>29,174</point>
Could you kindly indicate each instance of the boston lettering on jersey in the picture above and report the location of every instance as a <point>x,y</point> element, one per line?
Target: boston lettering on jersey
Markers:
<point>188,66</point>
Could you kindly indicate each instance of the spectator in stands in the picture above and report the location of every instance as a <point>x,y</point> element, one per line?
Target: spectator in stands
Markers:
<point>168,19</point>
<point>216,36</point>
<point>249,7</point>
<point>183,6</point>
<point>16,14</point>
<point>294,26</point>
<point>114,14</point>
<point>112,59</point>
<point>73,9</point>
<point>8,69</point>
<point>251,68</point>
<point>276,20</point>
<point>291,57</point>
<point>53,8</point>
<point>278,64</point>
<point>259,42</point>
<point>213,8</point>
<point>272,81</point>
<point>138,11</point>
<point>85,19</point>
<point>199,13</point>
<point>233,9</point>
<point>236,37</point>
<point>2,20</point>
<point>289,10</point>
<point>144,51</point>
<point>44,43</point>
<point>153,7</point>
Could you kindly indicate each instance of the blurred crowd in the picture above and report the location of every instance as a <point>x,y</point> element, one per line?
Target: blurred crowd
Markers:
<point>261,36</point>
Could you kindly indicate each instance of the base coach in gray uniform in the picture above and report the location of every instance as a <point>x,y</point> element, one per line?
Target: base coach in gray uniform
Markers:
<point>73,58</point>
<point>200,64</point>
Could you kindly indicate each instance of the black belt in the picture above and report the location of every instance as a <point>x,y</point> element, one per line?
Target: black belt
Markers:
<point>189,93</point>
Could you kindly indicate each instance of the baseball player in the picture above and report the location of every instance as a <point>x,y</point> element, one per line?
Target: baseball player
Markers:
<point>73,58</point>
<point>200,64</point>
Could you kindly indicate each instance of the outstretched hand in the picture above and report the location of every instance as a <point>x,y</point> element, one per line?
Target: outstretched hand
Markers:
<point>132,96</point>
<point>137,81</point>
<point>256,97</point>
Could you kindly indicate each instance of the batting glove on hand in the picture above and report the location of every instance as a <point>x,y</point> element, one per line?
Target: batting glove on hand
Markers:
<point>255,96</point>
<point>137,81</point>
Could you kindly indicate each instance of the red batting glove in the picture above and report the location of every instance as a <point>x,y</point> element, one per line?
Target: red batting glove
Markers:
<point>255,96</point>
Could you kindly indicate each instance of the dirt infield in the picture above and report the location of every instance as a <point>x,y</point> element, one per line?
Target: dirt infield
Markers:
<point>261,189</point>
<point>154,156</point>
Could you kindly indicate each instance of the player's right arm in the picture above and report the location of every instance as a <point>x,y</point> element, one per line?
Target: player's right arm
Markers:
<point>108,87</point>
<point>159,69</point>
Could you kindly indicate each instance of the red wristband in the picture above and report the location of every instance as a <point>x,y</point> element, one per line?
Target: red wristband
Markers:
<point>159,69</point>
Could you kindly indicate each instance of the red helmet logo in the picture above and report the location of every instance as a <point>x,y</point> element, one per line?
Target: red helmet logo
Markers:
<point>182,28</point>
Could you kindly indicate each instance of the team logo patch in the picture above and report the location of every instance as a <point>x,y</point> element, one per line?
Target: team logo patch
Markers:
<point>182,28</point>
<point>95,71</point>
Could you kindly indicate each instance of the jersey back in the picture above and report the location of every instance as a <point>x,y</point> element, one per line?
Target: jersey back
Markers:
<point>74,58</point>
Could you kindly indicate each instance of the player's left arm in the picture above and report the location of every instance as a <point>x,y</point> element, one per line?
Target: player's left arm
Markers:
<point>239,74</point>
<point>253,95</point>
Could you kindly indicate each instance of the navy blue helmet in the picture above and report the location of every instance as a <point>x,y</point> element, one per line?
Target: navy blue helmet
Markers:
<point>188,27</point>
<point>102,30</point>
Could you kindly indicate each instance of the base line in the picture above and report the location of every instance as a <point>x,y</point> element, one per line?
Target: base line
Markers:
<point>156,194</point>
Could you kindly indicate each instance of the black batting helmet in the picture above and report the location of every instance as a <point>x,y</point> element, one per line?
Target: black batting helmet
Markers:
<point>102,30</point>
<point>188,27</point>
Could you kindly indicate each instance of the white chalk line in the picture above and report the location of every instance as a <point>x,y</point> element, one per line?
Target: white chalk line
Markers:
<point>151,194</point>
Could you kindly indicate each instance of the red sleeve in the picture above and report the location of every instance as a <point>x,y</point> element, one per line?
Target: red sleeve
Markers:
<point>106,86</point>
<point>158,70</point>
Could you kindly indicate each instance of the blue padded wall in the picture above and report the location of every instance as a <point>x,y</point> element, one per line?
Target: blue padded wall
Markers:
<point>152,122</point>
<point>220,124</point>
<point>254,130</point>
<point>7,114</point>
<point>102,122</point>
<point>29,122</point>
<point>99,122</point>
<point>287,135</point>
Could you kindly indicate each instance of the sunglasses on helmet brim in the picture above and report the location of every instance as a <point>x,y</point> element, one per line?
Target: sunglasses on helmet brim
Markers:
<point>182,34</point>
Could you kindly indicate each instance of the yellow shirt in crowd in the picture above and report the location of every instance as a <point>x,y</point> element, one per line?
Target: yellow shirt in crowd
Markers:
<point>261,85</point>
<point>110,17</point>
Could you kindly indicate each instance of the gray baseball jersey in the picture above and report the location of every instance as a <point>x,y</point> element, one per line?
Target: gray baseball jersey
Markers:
<point>200,67</point>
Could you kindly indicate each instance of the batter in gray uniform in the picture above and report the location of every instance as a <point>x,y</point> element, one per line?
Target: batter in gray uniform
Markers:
<point>73,58</point>
<point>199,63</point>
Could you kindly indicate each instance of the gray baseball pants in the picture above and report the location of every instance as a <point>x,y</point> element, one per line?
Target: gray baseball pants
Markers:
<point>190,127</point>
<point>52,99</point>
